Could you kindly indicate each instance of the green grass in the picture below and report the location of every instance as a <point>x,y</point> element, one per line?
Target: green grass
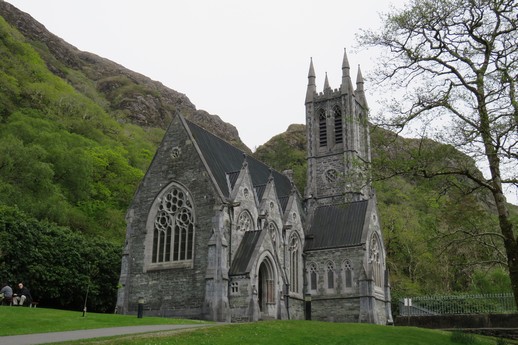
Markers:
<point>15,320</point>
<point>294,333</point>
<point>20,320</point>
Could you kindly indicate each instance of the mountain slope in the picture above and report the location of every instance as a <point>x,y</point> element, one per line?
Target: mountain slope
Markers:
<point>126,95</point>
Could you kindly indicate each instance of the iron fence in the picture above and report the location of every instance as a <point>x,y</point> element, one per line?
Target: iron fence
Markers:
<point>458,304</point>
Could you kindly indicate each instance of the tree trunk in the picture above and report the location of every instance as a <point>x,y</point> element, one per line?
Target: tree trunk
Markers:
<point>510,242</point>
<point>506,226</point>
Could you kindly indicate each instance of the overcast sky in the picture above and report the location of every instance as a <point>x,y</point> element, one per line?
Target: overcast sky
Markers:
<point>246,61</point>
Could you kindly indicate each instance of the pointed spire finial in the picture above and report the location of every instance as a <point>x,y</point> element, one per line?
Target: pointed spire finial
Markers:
<point>326,84</point>
<point>311,72</point>
<point>360,94</point>
<point>311,83</point>
<point>359,80</point>
<point>345,62</point>
<point>347,84</point>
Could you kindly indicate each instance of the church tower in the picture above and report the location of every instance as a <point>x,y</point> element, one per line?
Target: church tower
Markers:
<point>338,140</point>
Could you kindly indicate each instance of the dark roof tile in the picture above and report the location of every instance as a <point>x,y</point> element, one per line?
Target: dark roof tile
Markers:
<point>337,226</point>
<point>244,253</point>
<point>223,158</point>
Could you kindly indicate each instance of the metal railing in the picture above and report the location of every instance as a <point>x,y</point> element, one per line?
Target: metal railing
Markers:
<point>458,304</point>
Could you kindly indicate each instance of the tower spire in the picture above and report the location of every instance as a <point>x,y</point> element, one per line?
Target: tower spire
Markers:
<point>326,84</point>
<point>312,88</point>
<point>360,93</point>
<point>347,85</point>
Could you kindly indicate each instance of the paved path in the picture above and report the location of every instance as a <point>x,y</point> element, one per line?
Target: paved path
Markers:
<point>54,337</point>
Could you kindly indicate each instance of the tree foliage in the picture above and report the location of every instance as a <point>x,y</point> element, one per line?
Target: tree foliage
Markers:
<point>62,156</point>
<point>435,232</point>
<point>57,264</point>
<point>456,65</point>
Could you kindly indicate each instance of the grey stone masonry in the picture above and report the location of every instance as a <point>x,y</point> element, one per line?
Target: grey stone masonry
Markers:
<point>215,234</point>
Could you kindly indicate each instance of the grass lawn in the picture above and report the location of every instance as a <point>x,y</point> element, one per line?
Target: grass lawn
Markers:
<point>19,320</point>
<point>296,333</point>
<point>23,320</point>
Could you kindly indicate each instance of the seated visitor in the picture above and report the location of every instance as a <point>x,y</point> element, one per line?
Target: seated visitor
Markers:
<point>22,294</point>
<point>6,294</point>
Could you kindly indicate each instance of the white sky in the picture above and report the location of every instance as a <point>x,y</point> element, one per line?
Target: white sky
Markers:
<point>246,61</point>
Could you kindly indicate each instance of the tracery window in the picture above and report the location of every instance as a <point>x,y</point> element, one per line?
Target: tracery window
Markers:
<point>234,287</point>
<point>339,136</point>
<point>313,276</point>
<point>173,231</point>
<point>294,264</point>
<point>375,259</point>
<point>348,274</point>
<point>244,222</point>
<point>322,128</point>
<point>330,275</point>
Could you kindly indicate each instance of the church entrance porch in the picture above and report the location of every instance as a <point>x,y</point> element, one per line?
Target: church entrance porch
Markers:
<point>266,290</point>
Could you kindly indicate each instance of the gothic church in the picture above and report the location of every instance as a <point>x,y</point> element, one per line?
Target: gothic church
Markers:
<point>215,234</point>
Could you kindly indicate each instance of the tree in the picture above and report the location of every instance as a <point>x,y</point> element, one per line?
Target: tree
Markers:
<point>57,263</point>
<point>456,64</point>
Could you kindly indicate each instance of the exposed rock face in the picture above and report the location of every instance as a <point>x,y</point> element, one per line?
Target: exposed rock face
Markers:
<point>129,95</point>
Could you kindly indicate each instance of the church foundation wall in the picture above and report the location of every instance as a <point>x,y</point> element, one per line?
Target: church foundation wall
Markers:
<point>296,308</point>
<point>335,309</point>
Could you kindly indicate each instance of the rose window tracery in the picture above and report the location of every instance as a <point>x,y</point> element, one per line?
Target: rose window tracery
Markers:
<point>173,234</point>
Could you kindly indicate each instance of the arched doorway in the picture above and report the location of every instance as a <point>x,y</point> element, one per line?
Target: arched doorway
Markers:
<point>266,289</point>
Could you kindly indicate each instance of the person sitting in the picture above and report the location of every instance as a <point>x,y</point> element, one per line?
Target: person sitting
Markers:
<point>22,294</point>
<point>6,294</point>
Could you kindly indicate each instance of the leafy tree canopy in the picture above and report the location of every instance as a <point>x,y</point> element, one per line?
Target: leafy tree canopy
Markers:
<point>456,64</point>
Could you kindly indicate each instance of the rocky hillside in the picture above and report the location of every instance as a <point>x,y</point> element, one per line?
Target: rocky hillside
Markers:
<point>130,96</point>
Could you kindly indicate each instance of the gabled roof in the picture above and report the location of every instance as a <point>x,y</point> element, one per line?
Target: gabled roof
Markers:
<point>232,178</point>
<point>259,190</point>
<point>223,158</point>
<point>284,202</point>
<point>337,226</point>
<point>244,253</point>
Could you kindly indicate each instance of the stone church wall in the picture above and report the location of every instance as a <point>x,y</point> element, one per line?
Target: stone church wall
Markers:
<point>176,291</point>
<point>340,304</point>
<point>296,306</point>
<point>240,300</point>
<point>335,310</point>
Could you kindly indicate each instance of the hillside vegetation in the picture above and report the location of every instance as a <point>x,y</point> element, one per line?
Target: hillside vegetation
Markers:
<point>77,133</point>
<point>439,233</point>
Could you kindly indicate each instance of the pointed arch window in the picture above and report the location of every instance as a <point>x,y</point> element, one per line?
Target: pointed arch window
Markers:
<point>313,277</point>
<point>295,260</point>
<point>322,128</point>
<point>339,136</point>
<point>348,274</point>
<point>244,221</point>
<point>173,227</point>
<point>330,275</point>
<point>375,259</point>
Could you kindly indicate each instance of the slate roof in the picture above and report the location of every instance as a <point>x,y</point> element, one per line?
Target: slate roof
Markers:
<point>245,252</point>
<point>232,178</point>
<point>223,158</point>
<point>337,226</point>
